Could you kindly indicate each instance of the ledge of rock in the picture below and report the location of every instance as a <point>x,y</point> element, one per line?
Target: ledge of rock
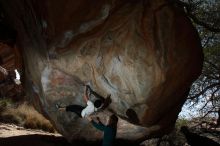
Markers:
<point>145,53</point>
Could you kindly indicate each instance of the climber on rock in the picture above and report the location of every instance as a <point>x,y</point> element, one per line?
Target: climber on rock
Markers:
<point>110,130</point>
<point>90,108</point>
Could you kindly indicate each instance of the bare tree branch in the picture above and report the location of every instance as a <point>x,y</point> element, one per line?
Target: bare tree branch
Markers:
<point>210,99</point>
<point>207,40</point>
<point>204,90</point>
<point>196,20</point>
<point>212,64</point>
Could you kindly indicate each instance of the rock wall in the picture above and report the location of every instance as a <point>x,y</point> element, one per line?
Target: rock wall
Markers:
<point>145,53</point>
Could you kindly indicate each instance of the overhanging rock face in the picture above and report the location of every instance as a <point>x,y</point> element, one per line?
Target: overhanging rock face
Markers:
<point>145,53</point>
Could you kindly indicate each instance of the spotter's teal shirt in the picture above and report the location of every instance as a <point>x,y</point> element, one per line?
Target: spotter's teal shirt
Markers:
<point>109,133</point>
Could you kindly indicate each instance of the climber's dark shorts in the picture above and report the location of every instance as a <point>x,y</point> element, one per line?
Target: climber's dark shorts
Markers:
<point>75,108</point>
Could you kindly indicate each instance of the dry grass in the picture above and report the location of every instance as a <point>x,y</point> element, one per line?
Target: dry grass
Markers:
<point>24,115</point>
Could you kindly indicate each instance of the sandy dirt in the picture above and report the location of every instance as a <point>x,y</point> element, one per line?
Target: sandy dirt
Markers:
<point>12,135</point>
<point>9,130</point>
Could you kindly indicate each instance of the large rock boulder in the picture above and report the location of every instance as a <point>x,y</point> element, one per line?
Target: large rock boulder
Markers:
<point>145,53</point>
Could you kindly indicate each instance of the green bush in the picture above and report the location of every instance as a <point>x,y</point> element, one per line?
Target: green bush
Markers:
<point>5,103</point>
<point>181,122</point>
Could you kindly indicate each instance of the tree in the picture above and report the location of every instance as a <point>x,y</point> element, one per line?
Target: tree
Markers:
<point>205,15</point>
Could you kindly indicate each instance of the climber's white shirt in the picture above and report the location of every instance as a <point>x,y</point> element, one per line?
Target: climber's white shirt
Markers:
<point>89,109</point>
